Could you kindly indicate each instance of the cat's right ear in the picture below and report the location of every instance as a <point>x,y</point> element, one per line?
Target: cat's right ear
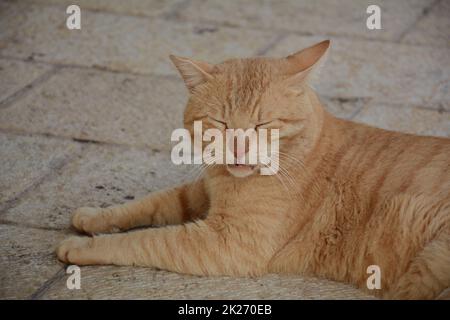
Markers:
<point>193,72</point>
<point>304,65</point>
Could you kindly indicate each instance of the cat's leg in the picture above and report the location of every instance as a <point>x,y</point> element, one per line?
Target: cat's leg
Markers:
<point>428,275</point>
<point>171,206</point>
<point>202,248</point>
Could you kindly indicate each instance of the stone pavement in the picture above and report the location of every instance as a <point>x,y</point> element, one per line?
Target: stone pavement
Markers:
<point>86,115</point>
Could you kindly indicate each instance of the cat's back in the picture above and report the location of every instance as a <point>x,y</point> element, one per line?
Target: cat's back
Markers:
<point>383,163</point>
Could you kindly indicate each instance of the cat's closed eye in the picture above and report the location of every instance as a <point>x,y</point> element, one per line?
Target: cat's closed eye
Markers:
<point>220,124</point>
<point>266,124</point>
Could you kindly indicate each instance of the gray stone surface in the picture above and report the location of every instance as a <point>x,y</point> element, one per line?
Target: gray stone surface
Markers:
<point>25,160</point>
<point>27,260</point>
<point>327,17</point>
<point>116,108</point>
<point>141,283</point>
<point>410,120</point>
<point>134,44</point>
<point>101,176</point>
<point>148,8</point>
<point>102,106</point>
<point>15,75</point>
<point>433,28</point>
<point>385,72</point>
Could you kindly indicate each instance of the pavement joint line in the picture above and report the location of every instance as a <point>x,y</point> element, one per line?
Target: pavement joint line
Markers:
<point>41,79</point>
<point>276,40</point>
<point>153,148</point>
<point>436,107</point>
<point>439,109</point>
<point>358,110</point>
<point>59,275</point>
<point>425,11</point>
<point>92,68</point>
<point>25,225</point>
<point>50,174</point>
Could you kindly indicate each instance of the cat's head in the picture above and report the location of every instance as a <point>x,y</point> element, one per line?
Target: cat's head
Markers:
<point>252,93</point>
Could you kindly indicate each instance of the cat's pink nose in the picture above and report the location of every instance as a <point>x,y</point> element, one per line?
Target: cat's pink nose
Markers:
<point>239,155</point>
<point>239,149</point>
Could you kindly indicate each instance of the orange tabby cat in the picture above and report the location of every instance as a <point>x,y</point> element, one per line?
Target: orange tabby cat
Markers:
<point>346,196</point>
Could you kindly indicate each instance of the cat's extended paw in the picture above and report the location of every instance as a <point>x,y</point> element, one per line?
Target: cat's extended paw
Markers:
<point>90,221</point>
<point>72,250</point>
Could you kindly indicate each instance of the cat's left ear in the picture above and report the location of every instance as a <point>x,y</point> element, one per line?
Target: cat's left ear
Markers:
<point>304,65</point>
<point>193,72</point>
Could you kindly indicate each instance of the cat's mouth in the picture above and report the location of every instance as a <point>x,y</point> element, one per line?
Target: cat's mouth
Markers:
<point>241,170</point>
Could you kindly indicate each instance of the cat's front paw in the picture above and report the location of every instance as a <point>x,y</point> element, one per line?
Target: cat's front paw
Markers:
<point>91,221</point>
<point>72,250</point>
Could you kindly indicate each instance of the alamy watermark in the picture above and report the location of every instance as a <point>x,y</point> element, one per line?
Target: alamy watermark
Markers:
<point>238,147</point>
<point>74,280</point>
<point>373,22</point>
<point>374,280</point>
<point>73,21</point>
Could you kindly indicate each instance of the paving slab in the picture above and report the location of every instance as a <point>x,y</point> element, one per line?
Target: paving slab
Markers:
<point>145,283</point>
<point>409,120</point>
<point>110,107</point>
<point>331,17</point>
<point>134,44</point>
<point>102,106</point>
<point>386,72</point>
<point>27,260</point>
<point>15,75</point>
<point>148,8</point>
<point>25,160</point>
<point>433,29</point>
<point>102,176</point>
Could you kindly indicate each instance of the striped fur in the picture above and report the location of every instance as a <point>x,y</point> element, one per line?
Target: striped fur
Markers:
<point>347,196</point>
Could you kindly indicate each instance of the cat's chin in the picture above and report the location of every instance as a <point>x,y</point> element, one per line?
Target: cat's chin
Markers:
<point>240,170</point>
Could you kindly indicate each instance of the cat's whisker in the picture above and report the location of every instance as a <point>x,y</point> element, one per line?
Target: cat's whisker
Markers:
<point>285,174</point>
<point>191,173</point>
<point>203,168</point>
<point>288,156</point>
<point>289,178</point>
<point>289,159</point>
<point>288,174</point>
<point>280,179</point>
